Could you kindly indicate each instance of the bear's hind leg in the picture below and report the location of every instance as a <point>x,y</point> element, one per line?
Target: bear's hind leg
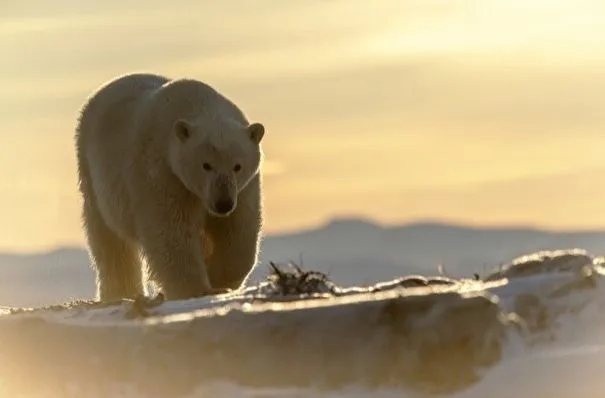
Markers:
<point>117,261</point>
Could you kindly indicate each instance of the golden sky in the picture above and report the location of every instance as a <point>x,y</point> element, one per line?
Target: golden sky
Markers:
<point>483,112</point>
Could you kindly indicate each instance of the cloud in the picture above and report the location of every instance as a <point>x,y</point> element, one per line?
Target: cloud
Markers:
<point>556,27</point>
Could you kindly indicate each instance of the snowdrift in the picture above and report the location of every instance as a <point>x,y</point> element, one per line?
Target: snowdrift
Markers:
<point>298,331</point>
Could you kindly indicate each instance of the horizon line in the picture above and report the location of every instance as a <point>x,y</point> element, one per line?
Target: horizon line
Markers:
<point>435,222</point>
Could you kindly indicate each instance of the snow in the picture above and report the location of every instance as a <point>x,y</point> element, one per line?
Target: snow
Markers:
<point>532,329</point>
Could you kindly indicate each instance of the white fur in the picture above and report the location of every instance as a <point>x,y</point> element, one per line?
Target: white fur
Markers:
<point>142,141</point>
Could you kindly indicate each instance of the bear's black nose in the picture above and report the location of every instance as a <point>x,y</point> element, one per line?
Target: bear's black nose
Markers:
<point>223,206</point>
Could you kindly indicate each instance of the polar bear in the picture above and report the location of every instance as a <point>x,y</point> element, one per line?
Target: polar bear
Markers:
<point>169,171</point>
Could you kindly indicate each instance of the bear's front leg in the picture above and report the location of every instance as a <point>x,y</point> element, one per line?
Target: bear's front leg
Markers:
<point>234,251</point>
<point>174,255</point>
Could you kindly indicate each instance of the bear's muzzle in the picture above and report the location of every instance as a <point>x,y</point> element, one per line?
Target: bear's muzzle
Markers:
<point>225,191</point>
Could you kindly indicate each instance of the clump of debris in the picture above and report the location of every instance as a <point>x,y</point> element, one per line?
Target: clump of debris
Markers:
<point>296,282</point>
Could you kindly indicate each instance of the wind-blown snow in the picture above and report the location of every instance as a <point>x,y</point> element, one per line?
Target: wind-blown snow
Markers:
<point>532,329</point>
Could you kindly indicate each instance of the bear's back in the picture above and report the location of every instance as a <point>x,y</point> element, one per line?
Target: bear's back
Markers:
<point>103,134</point>
<point>104,139</point>
<point>112,106</point>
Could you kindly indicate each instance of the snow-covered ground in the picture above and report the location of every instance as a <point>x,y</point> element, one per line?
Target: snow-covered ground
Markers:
<point>532,330</point>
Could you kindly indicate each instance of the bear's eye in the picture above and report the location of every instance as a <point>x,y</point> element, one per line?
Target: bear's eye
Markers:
<point>207,166</point>
<point>237,167</point>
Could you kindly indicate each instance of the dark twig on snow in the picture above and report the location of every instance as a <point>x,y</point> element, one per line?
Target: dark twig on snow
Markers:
<point>296,282</point>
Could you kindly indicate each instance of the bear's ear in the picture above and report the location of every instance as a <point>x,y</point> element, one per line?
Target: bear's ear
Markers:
<point>182,129</point>
<point>256,132</point>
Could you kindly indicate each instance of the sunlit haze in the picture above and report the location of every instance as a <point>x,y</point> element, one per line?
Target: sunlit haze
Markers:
<point>487,112</point>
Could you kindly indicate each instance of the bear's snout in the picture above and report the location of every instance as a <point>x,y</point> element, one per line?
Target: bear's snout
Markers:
<point>224,206</point>
<point>224,200</point>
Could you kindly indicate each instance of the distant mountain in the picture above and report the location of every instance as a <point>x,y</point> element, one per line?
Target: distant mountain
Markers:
<point>352,251</point>
<point>358,251</point>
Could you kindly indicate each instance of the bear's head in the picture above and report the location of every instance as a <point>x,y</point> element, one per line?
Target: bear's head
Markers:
<point>216,159</point>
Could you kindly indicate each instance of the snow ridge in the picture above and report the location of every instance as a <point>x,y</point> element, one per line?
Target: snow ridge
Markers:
<point>298,331</point>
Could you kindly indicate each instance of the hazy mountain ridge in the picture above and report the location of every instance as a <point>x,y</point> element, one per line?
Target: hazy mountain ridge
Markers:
<point>352,251</point>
